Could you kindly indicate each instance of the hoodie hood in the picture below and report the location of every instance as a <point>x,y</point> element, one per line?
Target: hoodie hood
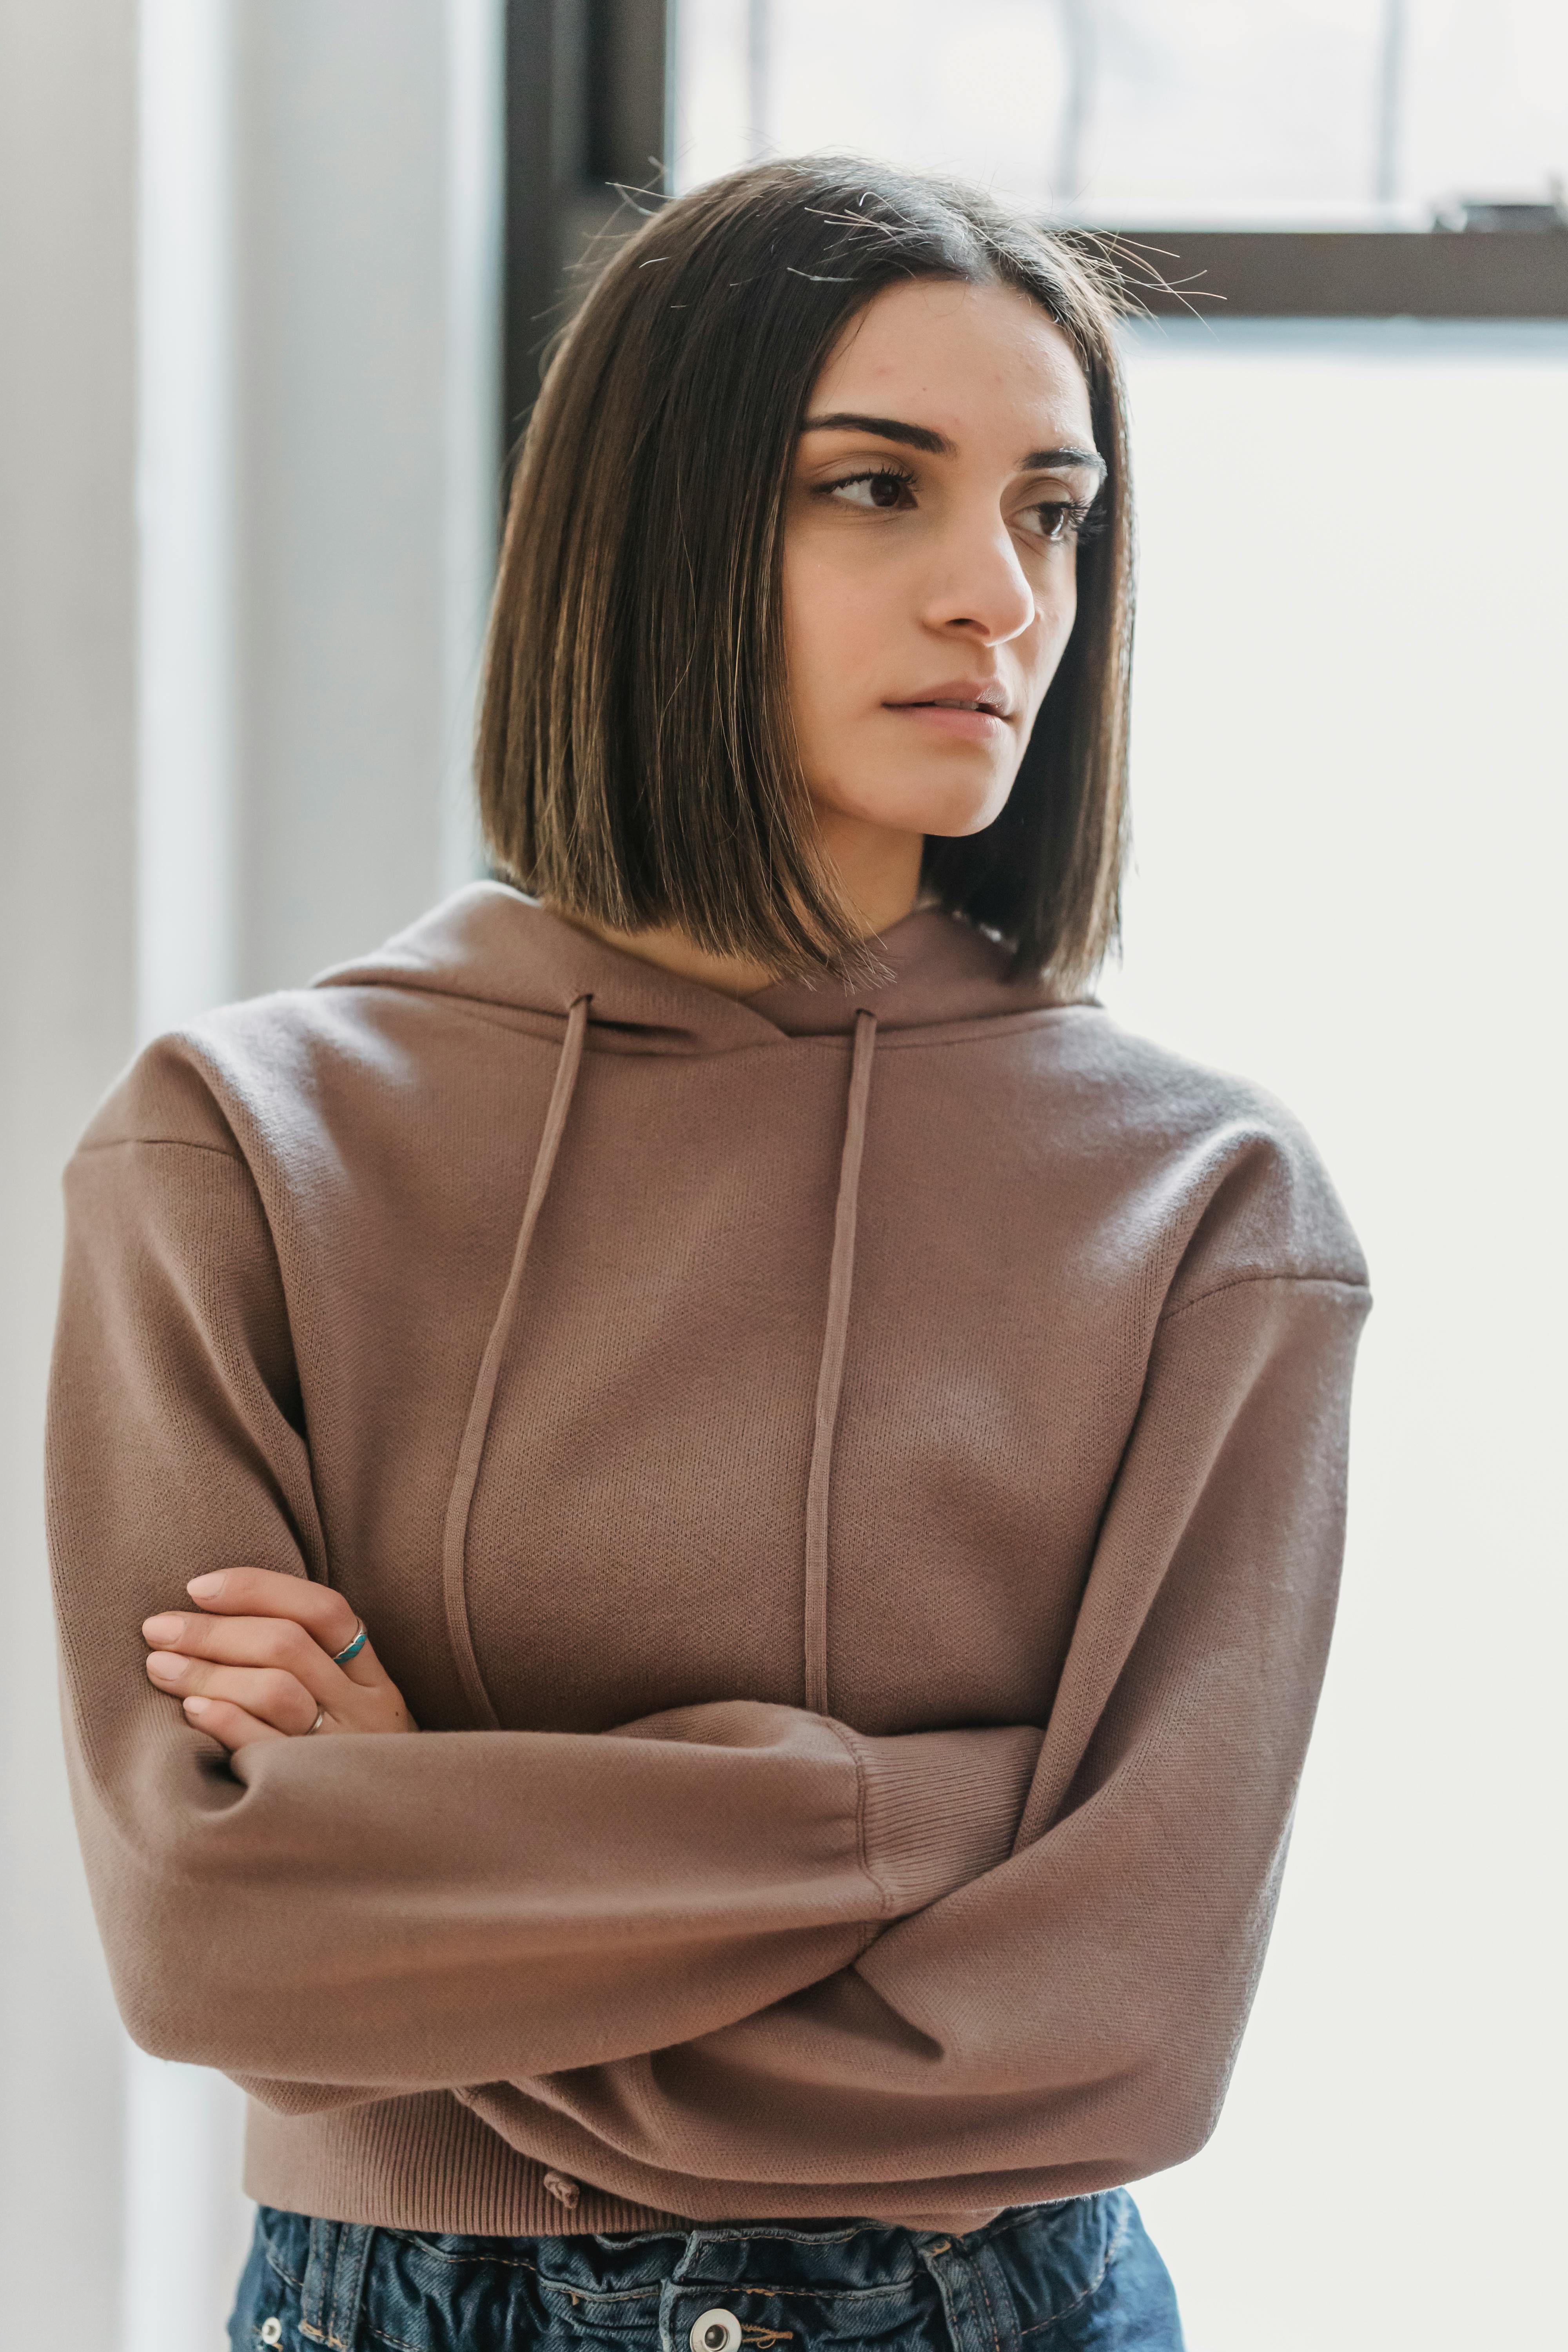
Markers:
<point>491,945</point>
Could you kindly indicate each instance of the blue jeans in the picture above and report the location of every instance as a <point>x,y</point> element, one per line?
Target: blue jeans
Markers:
<point>1039,2278</point>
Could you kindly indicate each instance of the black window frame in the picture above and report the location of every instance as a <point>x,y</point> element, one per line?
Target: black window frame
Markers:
<point>588,116</point>
<point>1350,273</point>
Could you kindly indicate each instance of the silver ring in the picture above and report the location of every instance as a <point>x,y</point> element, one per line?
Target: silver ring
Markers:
<point>351,1649</point>
<point>320,1718</point>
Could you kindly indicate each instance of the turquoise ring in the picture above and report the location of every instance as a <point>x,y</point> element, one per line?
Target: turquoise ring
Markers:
<point>342,1657</point>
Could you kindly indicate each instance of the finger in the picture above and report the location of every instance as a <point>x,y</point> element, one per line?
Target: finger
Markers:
<point>272,1697</point>
<point>325,1616</point>
<point>266,1592</point>
<point>230,1725</point>
<point>264,1643</point>
<point>276,1641</point>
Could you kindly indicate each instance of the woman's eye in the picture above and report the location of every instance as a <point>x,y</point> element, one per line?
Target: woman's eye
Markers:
<point>881,491</point>
<point>1058,520</point>
<point>1062,521</point>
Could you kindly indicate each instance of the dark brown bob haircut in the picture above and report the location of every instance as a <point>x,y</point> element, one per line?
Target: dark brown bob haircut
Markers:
<point>637,760</point>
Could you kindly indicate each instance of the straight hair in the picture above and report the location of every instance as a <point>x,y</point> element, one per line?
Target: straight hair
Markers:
<point>637,758</point>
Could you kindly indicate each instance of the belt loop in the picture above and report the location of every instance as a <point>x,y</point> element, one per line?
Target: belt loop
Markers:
<point>318,2281</point>
<point>976,2303</point>
<point>333,2285</point>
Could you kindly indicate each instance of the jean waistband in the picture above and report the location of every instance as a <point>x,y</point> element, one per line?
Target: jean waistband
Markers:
<point>1018,2272</point>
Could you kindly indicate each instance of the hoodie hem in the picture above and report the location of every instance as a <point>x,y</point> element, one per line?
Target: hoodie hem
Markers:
<point>425,2162</point>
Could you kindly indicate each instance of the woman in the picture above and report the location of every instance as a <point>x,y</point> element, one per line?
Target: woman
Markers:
<point>836,1450</point>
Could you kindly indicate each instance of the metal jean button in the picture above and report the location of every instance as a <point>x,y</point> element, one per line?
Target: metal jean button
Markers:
<point>715,2331</point>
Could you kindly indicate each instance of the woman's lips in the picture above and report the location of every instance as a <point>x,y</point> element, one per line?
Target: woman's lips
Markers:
<point>969,724</point>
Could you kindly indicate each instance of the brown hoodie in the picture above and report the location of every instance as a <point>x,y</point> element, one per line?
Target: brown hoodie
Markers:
<point>852,1489</point>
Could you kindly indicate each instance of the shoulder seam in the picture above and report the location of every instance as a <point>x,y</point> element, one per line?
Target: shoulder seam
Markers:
<point>158,1143</point>
<point>1323,1281</point>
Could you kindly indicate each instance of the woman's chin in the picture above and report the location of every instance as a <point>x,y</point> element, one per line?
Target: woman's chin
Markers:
<point>951,814</point>
<point>947,806</point>
<point>973,821</point>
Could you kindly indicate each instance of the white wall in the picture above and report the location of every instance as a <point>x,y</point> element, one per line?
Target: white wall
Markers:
<point>1351,829</point>
<point>67,954</point>
<point>234,745</point>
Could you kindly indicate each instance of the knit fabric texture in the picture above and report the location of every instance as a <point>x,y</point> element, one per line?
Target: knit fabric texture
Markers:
<point>851,1487</point>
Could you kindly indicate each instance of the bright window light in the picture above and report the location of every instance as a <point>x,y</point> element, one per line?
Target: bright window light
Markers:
<point>1141,109</point>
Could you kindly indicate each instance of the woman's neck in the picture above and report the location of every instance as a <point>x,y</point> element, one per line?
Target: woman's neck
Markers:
<point>878,871</point>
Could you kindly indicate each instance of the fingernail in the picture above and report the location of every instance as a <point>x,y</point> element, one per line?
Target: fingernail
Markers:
<point>162,1631</point>
<point>165,1669</point>
<point>197,1706</point>
<point>204,1587</point>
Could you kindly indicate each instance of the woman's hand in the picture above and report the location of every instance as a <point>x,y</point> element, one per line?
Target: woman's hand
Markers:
<point>258,1663</point>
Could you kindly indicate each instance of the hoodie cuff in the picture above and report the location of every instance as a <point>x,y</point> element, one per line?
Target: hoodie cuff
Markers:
<point>939,1808</point>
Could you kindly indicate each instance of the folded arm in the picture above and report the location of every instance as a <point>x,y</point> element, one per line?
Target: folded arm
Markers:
<point>1068,2017</point>
<point>349,1914</point>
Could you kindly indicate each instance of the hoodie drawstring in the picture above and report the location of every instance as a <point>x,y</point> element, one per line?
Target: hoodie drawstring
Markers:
<point>829,1378</point>
<point>455,1542</point>
<point>830,1372</point>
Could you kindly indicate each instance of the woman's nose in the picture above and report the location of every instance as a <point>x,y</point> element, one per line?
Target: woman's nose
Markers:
<point>980,586</point>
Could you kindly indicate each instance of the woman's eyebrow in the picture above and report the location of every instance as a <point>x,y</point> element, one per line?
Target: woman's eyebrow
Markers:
<point>1042,460</point>
<point>886,429</point>
<point>937,445</point>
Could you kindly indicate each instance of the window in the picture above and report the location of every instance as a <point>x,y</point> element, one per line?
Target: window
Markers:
<point>1140,110</point>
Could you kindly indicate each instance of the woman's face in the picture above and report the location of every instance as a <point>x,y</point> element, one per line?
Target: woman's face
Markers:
<point>929,571</point>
